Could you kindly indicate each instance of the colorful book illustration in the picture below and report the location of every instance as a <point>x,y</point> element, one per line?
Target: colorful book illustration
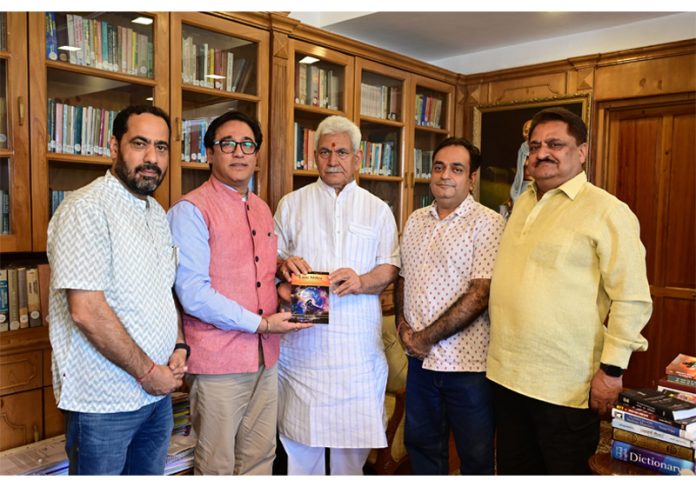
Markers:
<point>310,298</point>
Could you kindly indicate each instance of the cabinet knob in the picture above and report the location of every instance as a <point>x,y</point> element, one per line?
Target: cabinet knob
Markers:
<point>20,106</point>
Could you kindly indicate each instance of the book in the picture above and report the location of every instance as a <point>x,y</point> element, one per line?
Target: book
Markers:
<point>683,366</point>
<point>4,302</point>
<point>658,402</point>
<point>5,205</point>
<point>22,297</point>
<point>44,288</point>
<point>33,299</point>
<point>652,433</point>
<point>688,424</point>
<point>685,430</point>
<point>310,298</point>
<point>13,298</point>
<point>681,380</point>
<point>659,462</point>
<point>654,444</point>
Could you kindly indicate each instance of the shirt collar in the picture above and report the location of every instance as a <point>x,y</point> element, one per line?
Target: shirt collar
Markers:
<point>571,188</point>
<point>217,184</point>
<point>332,191</point>
<point>463,208</point>
<point>123,192</point>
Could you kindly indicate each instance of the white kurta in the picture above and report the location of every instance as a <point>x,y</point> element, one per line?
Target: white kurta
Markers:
<point>332,377</point>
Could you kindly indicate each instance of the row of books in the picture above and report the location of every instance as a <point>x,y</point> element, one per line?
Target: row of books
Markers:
<point>378,158</point>
<point>211,67</point>
<point>23,297</point>
<point>422,163</point>
<point>57,197</point>
<point>656,429</point>
<point>304,148</point>
<point>3,123</point>
<point>192,145</point>
<point>79,130</point>
<point>428,111</point>
<point>99,44</point>
<point>5,215</point>
<point>380,101</point>
<point>317,86</point>
<point>424,200</point>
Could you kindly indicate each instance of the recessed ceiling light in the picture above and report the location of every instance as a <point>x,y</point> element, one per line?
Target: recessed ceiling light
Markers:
<point>142,20</point>
<point>308,60</point>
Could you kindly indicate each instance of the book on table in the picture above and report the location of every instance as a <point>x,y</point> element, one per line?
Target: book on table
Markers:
<point>658,402</point>
<point>310,298</point>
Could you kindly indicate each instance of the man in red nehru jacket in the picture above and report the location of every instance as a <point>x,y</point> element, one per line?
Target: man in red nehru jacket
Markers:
<point>225,283</point>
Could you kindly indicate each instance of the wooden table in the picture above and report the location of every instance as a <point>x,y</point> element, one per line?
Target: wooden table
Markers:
<point>603,464</point>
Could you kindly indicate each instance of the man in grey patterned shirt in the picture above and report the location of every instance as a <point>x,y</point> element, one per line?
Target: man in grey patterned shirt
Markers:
<point>118,348</point>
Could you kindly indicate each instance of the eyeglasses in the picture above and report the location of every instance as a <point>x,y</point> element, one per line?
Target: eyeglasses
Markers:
<point>228,146</point>
<point>325,154</point>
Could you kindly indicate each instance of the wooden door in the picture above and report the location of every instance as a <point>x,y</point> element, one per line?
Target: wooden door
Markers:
<point>651,165</point>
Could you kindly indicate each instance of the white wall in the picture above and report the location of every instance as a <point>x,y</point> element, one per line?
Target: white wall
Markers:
<point>638,34</point>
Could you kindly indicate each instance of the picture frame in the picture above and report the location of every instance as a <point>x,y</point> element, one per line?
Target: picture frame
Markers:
<point>498,134</point>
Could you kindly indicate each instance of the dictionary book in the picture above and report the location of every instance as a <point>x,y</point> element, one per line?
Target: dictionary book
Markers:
<point>649,459</point>
<point>310,298</point>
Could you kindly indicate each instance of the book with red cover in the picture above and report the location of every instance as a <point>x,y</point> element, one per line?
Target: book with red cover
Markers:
<point>683,366</point>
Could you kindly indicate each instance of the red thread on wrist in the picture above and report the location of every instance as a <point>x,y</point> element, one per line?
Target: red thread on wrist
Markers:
<point>141,379</point>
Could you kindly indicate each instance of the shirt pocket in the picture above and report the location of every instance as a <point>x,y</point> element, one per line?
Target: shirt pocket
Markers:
<point>361,247</point>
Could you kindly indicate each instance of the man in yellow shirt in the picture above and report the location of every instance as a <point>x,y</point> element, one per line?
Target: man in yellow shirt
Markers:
<point>569,257</point>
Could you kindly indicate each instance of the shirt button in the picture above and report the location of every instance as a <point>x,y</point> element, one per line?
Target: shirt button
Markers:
<point>256,258</point>
<point>269,234</point>
<point>253,232</point>
<point>248,207</point>
<point>260,311</point>
<point>258,284</point>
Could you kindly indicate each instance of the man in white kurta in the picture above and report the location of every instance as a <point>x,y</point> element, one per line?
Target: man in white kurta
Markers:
<point>332,378</point>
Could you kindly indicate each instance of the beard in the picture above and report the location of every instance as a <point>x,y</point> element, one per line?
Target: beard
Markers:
<point>134,180</point>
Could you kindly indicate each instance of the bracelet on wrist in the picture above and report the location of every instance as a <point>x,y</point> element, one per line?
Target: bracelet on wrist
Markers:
<point>141,379</point>
<point>268,326</point>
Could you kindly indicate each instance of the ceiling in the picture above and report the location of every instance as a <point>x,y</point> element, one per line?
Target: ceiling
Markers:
<point>433,36</point>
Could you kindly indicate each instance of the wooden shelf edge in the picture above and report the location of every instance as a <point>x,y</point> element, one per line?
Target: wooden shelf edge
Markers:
<point>305,173</point>
<point>79,159</point>
<point>197,166</point>
<point>434,130</point>
<point>24,339</point>
<point>381,121</point>
<point>376,177</point>
<point>318,110</point>
<point>232,95</point>
<point>100,73</point>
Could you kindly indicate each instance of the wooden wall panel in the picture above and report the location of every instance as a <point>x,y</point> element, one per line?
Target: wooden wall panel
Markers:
<point>646,78</point>
<point>542,86</point>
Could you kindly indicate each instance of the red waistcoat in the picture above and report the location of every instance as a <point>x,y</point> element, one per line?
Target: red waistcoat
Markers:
<point>243,250</point>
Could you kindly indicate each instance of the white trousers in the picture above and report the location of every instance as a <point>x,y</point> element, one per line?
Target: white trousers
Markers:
<point>309,460</point>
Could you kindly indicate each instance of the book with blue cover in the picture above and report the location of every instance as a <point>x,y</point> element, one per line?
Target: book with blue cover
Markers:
<point>310,298</point>
<point>649,459</point>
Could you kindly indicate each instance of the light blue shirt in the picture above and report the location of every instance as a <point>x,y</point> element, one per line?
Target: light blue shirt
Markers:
<point>193,287</point>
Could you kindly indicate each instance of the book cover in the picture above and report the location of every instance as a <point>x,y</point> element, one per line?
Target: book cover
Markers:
<point>5,206</point>
<point>310,298</point>
<point>670,429</point>
<point>652,433</point>
<point>681,391</point>
<point>683,366</point>
<point>665,464</point>
<point>658,402</point>
<point>4,302</point>
<point>681,380</point>
<point>653,444</point>
<point>33,299</point>
<point>688,424</point>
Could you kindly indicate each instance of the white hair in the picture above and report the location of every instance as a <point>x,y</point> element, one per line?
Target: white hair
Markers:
<point>335,124</point>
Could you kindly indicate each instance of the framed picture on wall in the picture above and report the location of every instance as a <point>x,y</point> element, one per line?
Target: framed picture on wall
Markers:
<point>498,133</point>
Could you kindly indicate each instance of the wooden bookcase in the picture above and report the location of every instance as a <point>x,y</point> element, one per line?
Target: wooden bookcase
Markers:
<point>59,78</point>
<point>320,84</point>
<point>15,227</point>
<point>238,81</point>
<point>383,115</point>
<point>433,121</point>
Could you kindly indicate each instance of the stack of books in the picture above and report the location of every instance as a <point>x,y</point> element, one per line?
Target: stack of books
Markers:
<point>680,380</point>
<point>655,429</point>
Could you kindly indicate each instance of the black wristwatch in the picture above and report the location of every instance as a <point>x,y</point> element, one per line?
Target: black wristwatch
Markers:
<point>611,370</point>
<point>183,346</point>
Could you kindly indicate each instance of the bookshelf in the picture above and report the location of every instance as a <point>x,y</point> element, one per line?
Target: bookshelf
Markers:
<point>321,84</point>
<point>383,117</point>
<point>84,67</point>
<point>217,65</point>
<point>433,121</point>
<point>15,224</point>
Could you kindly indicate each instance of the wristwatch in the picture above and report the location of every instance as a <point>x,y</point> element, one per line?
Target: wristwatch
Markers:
<point>183,346</point>
<point>611,370</point>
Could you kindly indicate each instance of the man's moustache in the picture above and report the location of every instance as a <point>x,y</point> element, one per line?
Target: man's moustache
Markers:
<point>149,167</point>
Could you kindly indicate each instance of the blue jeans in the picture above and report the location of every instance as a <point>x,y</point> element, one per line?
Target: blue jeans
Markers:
<point>440,402</point>
<point>127,443</point>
